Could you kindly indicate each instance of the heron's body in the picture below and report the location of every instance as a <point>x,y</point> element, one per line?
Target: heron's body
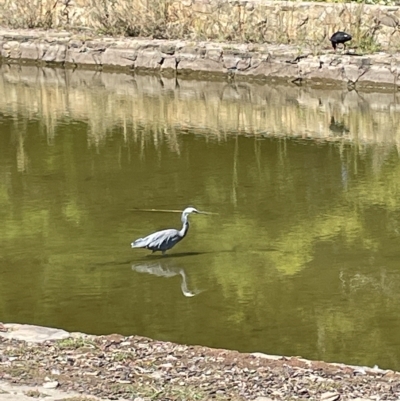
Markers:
<point>339,38</point>
<point>166,239</point>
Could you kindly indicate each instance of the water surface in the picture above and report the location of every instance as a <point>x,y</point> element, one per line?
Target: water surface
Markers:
<point>302,258</point>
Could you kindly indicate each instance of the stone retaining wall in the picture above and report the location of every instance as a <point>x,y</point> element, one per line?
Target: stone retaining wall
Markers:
<point>237,61</point>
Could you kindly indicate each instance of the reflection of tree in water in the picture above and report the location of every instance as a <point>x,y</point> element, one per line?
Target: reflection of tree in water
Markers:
<point>106,102</point>
<point>368,309</point>
<point>338,127</point>
<point>379,283</point>
<point>161,269</point>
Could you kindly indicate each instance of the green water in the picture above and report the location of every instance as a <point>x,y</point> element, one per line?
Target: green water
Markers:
<point>302,258</point>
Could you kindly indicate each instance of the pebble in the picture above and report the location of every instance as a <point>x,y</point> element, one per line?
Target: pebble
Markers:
<point>330,396</point>
<point>362,399</point>
<point>263,399</point>
<point>50,385</point>
<point>359,371</point>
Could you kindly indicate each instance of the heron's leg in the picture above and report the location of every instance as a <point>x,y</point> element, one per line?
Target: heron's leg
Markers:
<point>163,252</point>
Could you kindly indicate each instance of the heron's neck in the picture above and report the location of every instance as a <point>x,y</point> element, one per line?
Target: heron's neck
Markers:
<point>185,226</point>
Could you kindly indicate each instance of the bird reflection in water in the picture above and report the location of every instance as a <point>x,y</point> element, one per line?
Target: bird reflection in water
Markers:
<point>161,269</point>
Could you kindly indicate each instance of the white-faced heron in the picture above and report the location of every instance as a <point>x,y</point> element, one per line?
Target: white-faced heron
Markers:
<point>166,239</point>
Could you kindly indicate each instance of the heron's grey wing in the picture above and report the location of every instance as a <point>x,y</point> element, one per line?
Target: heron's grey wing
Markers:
<point>156,240</point>
<point>164,239</point>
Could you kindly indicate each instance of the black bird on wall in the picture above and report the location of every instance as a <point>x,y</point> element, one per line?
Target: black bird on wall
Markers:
<point>340,38</point>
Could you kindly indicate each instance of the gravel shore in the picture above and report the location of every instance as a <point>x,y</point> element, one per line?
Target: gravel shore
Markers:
<point>117,367</point>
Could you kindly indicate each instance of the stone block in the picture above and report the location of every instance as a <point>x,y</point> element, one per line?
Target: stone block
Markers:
<point>119,57</point>
<point>352,73</point>
<point>379,75</point>
<point>9,44</point>
<point>201,65</point>
<point>167,49</point>
<point>307,65</point>
<point>243,64</point>
<point>55,54</point>
<point>327,73</point>
<point>151,60</point>
<point>83,56</point>
<point>273,70</point>
<point>32,51</point>
<point>11,49</point>
<point>230,61</point>
<point>363,62</point>
<point>15,53</point>
<point>169,63</point>
<point>256,61</point>
<point>214,54</point>
<point>145,44</point>
<point>389,20</point>
<point>191,52</point>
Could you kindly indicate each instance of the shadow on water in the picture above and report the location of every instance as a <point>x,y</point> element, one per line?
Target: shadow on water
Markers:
<point>163,268</point>
<point>151,256</point>
<point>159,257</point>
<point>174,255</point>
<point>235,249</point>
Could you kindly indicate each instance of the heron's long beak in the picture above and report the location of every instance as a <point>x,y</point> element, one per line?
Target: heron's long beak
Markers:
<point>201,212</point>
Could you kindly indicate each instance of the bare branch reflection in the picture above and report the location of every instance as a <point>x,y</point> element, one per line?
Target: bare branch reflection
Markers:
<point>165,269</point>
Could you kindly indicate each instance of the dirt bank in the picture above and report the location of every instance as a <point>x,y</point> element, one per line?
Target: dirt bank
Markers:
<point>118,367</point>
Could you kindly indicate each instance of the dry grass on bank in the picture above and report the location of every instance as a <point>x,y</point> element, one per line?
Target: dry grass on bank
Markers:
<point>154,18</point>
<point>158,19</point>
<point>166,19</point>
<point>29,13</point>
<point>113,17</point>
